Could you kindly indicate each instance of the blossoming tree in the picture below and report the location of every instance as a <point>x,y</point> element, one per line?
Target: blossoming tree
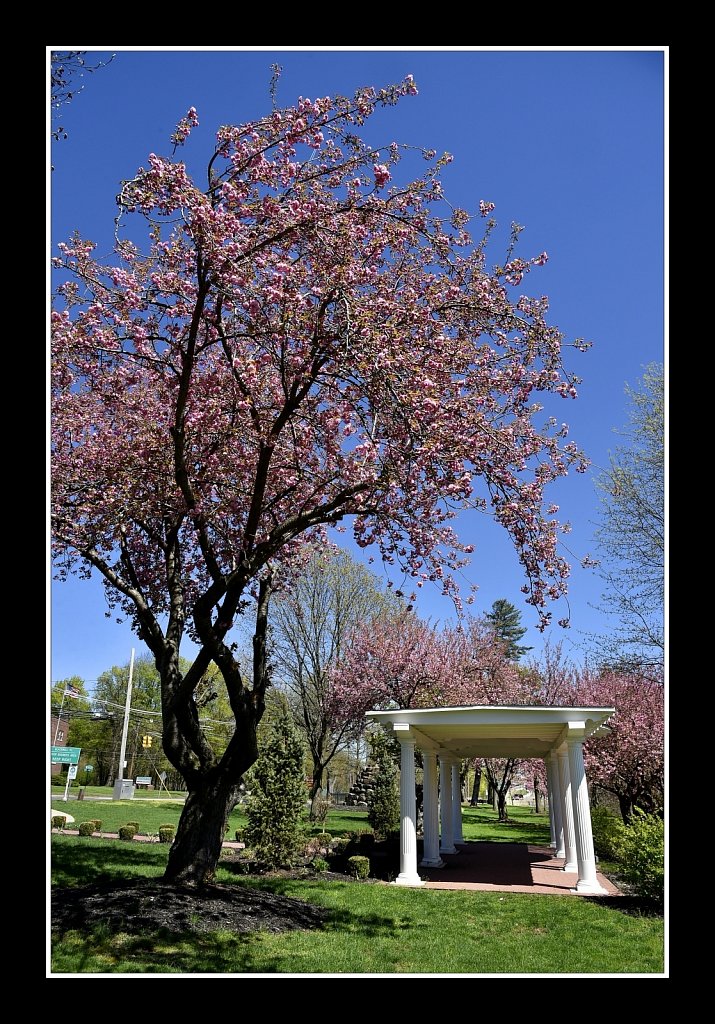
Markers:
<point>630,761</point>
<point>308,334</point>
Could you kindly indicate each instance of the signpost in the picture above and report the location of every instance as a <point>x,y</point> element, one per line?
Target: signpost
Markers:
<point>69,756</point>
<point>65,755</point>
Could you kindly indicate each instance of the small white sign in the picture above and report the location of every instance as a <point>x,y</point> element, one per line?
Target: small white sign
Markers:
<point>72,772</point>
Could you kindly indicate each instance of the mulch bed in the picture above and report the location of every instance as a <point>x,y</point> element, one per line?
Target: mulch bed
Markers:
<point>137,907</point>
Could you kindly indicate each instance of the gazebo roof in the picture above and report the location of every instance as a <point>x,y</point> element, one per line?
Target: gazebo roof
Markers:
<point>523,731</point>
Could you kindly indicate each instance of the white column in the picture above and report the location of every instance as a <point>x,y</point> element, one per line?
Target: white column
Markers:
<point>550,798</point>
<point>430,812</point>
<point>567,812</point>
<point>587,880</point>
<point>408,815</point>
<point>558,804</point>
<point>457,836</point>
<point>446,843</point>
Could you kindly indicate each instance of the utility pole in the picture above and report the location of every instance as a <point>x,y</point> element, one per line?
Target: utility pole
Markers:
<point>59,715</point>
<point>119,788</point>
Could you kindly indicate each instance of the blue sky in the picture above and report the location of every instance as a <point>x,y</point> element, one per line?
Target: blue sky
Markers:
<point>567,143</point>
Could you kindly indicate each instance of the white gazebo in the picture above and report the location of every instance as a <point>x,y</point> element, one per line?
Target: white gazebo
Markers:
<point>449,735</point>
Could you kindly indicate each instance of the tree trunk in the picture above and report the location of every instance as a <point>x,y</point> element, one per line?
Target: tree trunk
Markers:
<point>536,797</point>
<point>500,798</point>
<point>196,849</point>
<point>490,794</point>
<point>626,805</point>
<point>315,789</point>
<point>475,789</point>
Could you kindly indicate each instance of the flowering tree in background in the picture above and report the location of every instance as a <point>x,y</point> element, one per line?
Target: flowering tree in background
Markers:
<point>401,661</point>
<point>391,661</point>
<point>292,341</point>
<point>629,762</point>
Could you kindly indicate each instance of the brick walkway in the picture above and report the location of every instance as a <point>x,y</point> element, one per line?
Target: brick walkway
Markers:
<point>506,867</point>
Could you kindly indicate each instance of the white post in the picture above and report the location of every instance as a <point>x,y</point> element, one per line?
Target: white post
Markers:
<point>457,835</point>
<point>550,798</point>
<point>408,815</point>
<point>446,844</point>
<point>558,804</point>
<point>125,727</point>
<point>67,784</point>
<point>587,880</point>
<point>59,718</point>
<point>571,863</point>
<point>122,791</point>
<point>430,812</point>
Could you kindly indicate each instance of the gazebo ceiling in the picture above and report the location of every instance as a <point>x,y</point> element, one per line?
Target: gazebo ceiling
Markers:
<point>493,731</point>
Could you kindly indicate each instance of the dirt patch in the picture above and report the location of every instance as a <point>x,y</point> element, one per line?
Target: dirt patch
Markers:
<point>140,907</point>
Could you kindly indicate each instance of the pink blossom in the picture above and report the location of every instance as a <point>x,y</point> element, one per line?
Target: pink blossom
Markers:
<point>382,174</point>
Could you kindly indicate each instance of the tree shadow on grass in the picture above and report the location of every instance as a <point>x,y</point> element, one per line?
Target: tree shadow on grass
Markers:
<point>100,949</point>
<point>128,943</point>
<point>119,919</point>
<point>633,906</point>
<point>87,860</point>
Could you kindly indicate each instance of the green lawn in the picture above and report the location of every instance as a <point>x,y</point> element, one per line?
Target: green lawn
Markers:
<point>373,929</point>
<point>482,823</point>
<point>58,791</point>
<point>113,813</point>
<point>152,813</point>
<point>478,823</point>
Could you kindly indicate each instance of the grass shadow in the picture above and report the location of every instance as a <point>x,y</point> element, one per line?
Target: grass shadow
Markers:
<point>101,950</point>
<point>367,924</point>
<point>81,862</point>
<point>632,906</point>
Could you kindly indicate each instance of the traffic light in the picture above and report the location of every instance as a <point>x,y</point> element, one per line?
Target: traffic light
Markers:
<point>146,741</point>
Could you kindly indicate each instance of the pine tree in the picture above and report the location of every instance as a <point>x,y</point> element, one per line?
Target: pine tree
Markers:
<point>278,795</point>
<point>384,803</point>
<point>505,620</point>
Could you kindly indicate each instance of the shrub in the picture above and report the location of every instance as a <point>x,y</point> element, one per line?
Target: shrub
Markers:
<point>97,824</point>
<point>240,835</point>
<point>58,821</point>
<point>365,838</point>
<point>127,831</point>
<point>641,850</point>
<point>86,828</point>
<point>384,802</point>
<point>339,846</point>
<point>169,824</point>
<point>359,867</point>
<point>320,864</point>
<point>132,824</point>
<point>277,796</point>
<point>607,829</point>
<point>166,835</point>
<point>324,838</point>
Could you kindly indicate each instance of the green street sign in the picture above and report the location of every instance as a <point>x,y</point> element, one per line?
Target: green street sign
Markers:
<point>65,755</point>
